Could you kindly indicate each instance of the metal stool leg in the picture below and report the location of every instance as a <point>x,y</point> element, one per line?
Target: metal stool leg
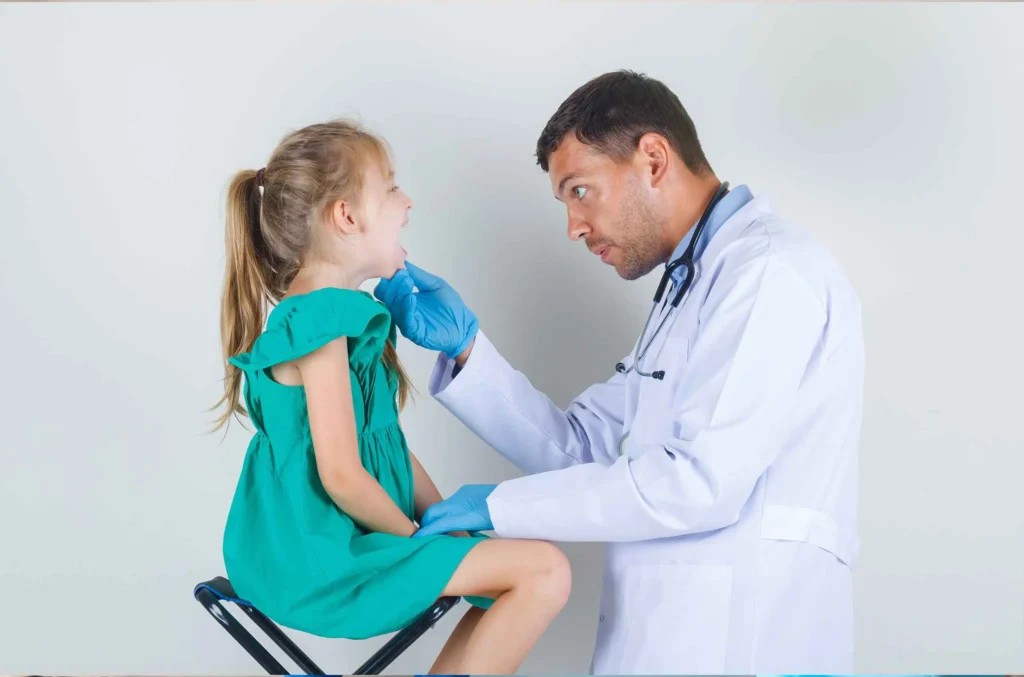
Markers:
<point>404,639</point>
<point>275,633</point>
<point>209,595</point>
<point>241,635</point>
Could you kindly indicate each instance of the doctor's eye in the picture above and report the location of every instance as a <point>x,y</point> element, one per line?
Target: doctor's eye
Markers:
<point>579,191</point>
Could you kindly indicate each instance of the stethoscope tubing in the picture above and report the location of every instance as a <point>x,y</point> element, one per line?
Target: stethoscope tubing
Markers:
<point>684,260</point>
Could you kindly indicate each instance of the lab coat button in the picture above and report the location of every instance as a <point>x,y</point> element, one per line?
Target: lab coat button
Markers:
<point>601,619</point>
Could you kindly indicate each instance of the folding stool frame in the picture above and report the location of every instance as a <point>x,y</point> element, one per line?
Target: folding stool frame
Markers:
<point>216,590</point>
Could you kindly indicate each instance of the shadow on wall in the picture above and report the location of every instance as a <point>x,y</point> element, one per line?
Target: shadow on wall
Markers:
<point>561,319</point>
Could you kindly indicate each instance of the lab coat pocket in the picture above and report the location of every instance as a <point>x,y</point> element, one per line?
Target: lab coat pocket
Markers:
<point>678,616</point>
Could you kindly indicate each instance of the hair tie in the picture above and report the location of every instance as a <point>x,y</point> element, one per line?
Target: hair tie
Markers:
<point>259,181</point>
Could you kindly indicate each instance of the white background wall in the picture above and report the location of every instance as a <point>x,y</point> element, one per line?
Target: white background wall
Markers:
<point>893,132</point>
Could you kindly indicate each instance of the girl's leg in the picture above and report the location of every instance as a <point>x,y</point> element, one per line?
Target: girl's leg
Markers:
<point>530,582</point>
<point>453,649</point>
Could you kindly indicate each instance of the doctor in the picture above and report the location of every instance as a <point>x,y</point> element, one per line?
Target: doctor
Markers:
<point>719,460</point>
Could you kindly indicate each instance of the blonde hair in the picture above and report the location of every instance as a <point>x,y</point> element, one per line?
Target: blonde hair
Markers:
<point>270,236</point>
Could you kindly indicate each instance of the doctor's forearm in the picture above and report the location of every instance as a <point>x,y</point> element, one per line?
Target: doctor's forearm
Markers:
<point>462,357</point>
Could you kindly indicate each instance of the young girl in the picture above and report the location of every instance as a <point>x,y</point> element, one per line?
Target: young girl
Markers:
<point>319,532</point>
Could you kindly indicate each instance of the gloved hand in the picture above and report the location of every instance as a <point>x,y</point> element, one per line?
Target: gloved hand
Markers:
<point>466,510</point>
<point>434,317</point>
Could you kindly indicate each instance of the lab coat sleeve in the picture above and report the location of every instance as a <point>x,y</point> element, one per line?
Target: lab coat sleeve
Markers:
<point>696,468</point>
<point>500,405</point>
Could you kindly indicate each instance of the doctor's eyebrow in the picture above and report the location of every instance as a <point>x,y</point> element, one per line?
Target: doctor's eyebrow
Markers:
<point>566,179</point>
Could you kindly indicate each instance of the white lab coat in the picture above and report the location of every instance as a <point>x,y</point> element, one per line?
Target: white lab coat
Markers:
<point>731,517</point>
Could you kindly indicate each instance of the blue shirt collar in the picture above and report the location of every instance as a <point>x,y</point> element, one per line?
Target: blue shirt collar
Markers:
<point>735,199</point>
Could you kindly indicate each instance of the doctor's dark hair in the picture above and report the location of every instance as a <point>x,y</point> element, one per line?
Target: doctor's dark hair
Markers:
<point>273,218</point>
<point>613,111</point>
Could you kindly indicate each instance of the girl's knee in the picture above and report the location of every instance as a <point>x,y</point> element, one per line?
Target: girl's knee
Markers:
<point>554,578</point>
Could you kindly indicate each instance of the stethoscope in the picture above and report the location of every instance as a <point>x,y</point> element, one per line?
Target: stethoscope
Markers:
<point>685,260</point>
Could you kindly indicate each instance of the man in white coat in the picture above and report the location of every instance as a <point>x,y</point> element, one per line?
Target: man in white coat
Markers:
<point>719,461</point>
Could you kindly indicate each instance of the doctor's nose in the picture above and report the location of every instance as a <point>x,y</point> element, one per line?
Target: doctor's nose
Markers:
<point>578,228</point>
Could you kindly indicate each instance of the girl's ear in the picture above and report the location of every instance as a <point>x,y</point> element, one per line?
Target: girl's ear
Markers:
<point>342,218</point>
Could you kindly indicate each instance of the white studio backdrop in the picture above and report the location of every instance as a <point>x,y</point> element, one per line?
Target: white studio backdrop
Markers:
<point>892,132</point>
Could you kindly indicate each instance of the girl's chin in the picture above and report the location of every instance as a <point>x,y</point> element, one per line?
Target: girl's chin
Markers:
<point>397,264</point>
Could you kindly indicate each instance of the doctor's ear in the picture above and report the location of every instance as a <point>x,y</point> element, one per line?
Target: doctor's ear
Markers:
<point>342,218</point>
<point>653,151</point>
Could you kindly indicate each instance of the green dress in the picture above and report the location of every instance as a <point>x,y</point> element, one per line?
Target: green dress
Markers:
<point>288,548</point>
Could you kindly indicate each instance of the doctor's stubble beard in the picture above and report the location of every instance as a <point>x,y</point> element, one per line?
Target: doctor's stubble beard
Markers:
<point>641,226</point>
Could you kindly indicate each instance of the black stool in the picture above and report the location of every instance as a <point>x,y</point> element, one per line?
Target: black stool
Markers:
<point>211,593</point>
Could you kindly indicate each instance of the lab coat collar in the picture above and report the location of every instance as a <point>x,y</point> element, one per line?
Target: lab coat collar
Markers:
<point>733,201</point>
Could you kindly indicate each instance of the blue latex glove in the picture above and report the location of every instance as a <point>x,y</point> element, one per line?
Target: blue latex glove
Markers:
<point>466,510</point>
<point>434,317</point>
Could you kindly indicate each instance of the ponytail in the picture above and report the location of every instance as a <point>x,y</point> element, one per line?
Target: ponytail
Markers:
<point>393,365</point>
<point>243,306</point>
